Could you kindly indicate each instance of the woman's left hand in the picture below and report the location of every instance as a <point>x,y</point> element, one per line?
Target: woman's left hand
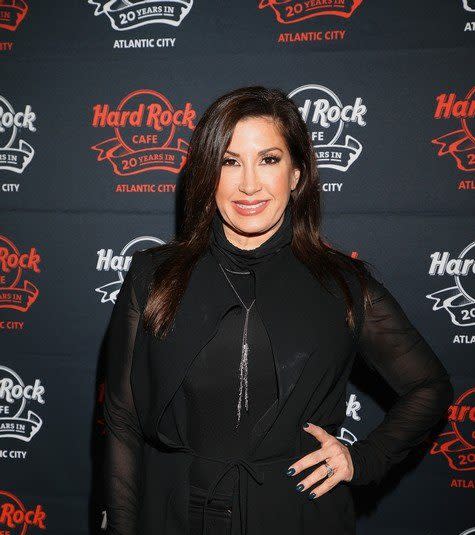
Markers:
<point>334,452</point>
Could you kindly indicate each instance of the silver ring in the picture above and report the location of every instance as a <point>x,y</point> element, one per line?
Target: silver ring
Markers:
<point>330,470</point>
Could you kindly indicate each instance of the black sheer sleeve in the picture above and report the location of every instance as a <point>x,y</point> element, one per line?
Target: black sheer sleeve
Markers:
<point>393,347</point>
<point>124,440</point>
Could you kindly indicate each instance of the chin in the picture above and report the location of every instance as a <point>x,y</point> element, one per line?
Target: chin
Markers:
<point>244,225</point>
<point>251,223</point>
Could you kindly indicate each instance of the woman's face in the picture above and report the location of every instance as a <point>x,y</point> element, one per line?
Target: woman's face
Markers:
<point>255,183</point>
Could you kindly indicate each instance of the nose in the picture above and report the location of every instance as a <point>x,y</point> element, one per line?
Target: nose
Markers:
<point>250,182</point>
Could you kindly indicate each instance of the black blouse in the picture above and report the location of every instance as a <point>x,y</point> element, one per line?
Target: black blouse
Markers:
<point>211,389</point>
<point>211,386</point>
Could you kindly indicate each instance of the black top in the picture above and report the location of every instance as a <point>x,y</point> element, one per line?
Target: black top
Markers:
<point>211,386</point>
<point>211,389</point>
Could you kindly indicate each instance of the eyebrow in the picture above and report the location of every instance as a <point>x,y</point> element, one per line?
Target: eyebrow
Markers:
<point>263,151</point>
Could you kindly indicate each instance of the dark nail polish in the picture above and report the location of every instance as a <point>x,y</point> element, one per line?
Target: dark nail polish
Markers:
<point>299,487</point>
<point>290,471</point>
<point>311,496</point>
<point>305,424</point>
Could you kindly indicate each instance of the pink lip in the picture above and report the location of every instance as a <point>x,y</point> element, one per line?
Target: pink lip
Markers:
<point>250,211</point>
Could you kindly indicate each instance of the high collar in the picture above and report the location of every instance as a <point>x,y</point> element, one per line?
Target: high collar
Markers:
<point>232,257</point>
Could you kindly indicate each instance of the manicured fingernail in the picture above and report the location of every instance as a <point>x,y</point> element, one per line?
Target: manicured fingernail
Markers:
<point>299,487</point>
<point>312,495</point>
<point>290,471</point>
<point>305,424</point>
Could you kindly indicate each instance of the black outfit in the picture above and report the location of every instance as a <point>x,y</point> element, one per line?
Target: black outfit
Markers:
<point>211,384</point>
<point>169,441</point>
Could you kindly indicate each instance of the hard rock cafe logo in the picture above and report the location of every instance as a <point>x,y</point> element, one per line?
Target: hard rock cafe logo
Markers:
<point>458,300</point>
<point>290,11</point>
<point>119,264</point>
<point>459,143</point>
<point>146,137</point>
<point>326,117</point>
<point>15,400</point>
<point>12,12</point>
<point>11,123</point>
<point>16,518</point>
<point>16,292</point>
<point>458,445</point>
<point>129,14</point>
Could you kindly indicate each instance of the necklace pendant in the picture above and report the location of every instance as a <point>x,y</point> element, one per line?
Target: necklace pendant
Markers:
<point>243,366</point>
<point>243,381</point>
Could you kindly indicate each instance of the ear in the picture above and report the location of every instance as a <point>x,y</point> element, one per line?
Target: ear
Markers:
<point>295,178</point>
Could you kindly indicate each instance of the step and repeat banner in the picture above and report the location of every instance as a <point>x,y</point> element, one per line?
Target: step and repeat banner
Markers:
<point>98,100</point>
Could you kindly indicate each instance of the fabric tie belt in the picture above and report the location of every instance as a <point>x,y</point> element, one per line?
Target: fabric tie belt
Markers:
<point>245,468</point>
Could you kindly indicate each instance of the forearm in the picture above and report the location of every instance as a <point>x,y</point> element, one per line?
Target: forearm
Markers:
<point>406,425</point>
<point>123,483</point>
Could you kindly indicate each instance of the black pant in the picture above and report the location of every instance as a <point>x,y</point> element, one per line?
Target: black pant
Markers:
<point>218,514</point>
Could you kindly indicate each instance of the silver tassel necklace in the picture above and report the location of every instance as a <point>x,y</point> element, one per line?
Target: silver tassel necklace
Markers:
<point>243,366</point>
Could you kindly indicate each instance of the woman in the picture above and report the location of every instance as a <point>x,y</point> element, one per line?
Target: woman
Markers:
<point>230,348</point>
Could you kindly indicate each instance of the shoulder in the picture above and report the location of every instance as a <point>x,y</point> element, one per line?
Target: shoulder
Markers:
<point>142,269</point>
<point>374,283</point>
<point>376,287</point>
<point>355,277</point>
<point>376,292</point>
<point>147,260</point>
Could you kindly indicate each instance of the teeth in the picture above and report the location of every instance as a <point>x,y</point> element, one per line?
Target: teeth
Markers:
<point>249,206</point>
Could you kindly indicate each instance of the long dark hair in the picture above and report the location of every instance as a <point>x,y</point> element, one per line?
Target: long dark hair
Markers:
<point>200,179</point>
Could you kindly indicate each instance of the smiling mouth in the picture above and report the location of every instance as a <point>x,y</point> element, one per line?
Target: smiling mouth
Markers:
<point>248,206</point>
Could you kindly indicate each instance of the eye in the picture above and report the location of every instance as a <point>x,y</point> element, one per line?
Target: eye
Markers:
<point>226,160</point>
<point>275,159</point>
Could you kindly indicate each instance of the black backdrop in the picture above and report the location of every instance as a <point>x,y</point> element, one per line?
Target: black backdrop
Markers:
<point>385,88</point>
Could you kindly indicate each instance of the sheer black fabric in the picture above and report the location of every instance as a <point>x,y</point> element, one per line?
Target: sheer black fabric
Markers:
<point>123,441</point>
<point>392,346</point>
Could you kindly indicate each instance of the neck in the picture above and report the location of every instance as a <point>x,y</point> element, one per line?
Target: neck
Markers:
<point>232,256</point>
<point>249,242</point>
